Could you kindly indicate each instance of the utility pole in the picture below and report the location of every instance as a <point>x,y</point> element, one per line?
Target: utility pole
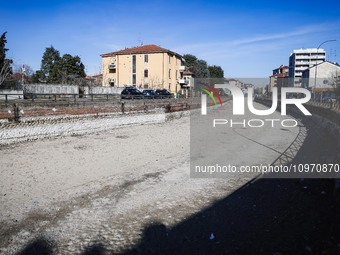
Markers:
<point>316,65</point>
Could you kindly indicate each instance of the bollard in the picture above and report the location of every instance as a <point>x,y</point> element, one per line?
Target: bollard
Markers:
<point>16,112</point>
<point>123,107</point>
<point>168,107</point>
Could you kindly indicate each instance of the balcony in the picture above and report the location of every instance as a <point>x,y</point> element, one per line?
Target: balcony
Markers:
<point>183,81</point>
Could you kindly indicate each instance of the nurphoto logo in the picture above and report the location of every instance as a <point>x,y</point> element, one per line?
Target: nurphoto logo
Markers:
<point>239,105</point>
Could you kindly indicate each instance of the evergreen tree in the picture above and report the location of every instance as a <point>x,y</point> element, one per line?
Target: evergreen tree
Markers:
<point>49,66</point>
<point>55,69</point>
<point>190,60</point>
<point>5,64</point>
<point>216,71</point>
<point>197,66</point>
<point>71,68</point>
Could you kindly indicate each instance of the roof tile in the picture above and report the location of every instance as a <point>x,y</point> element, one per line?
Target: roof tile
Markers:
<point>151,48</point>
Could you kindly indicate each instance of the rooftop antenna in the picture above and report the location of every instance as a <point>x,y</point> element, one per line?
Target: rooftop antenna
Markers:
<point>139,39</point>
<point>332,55</point>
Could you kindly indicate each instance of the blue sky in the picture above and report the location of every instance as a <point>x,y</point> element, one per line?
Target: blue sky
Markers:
<point>246,38</point>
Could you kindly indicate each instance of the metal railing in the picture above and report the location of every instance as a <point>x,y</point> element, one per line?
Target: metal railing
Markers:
<point>75,96</point>
<point>7,95</point>
<point>53,96</point>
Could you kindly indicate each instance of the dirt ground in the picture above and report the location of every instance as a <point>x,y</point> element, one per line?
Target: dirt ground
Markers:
<point>128,191</point>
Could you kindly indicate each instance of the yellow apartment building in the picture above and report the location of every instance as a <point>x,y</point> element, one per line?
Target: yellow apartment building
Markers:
<point>147,66</point>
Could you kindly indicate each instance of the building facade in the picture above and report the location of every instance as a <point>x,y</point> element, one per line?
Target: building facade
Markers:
<point>279,78</point>
<point>147,66</point>
<point>95,80</point>
<point>326,73</point>
<point>302,59</point>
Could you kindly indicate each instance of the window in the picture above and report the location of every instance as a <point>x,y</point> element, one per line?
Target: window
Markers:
<point>112,82</point>
<point>169,73</point>
<point>146,73</point>
<point>134,70</point>
<point>134,79</point>
<point>134,64</point>
<point>146,58</point>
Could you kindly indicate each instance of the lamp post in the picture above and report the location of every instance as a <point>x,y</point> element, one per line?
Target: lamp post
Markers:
<point>316,64</point>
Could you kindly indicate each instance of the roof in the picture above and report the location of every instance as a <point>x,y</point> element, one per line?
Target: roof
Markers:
<point>280,75</point>
<point>94,76</point>
<point>151,48</point>
<point>322,63</point>
<point>187,73</point>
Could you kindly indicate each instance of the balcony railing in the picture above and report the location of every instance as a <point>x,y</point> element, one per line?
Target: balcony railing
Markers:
<point>182,68</point>
<point>183,81</point>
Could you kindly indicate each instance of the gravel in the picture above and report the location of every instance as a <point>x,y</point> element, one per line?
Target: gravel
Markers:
<point>98,187</point>
<point>37,128</point>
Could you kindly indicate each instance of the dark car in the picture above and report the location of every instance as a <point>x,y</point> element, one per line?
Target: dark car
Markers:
<point>164,93</point>
<point>131,93</point>
<point>328,100</point>
<point>149,93</point>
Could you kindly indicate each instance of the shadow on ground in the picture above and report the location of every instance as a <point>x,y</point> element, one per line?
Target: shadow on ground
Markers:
<point>39,246</point>
<point>267,217</point>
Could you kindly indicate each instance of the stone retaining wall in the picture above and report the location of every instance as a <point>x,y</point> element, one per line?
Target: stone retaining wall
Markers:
<point>50,89</point>
<point>105,90</point>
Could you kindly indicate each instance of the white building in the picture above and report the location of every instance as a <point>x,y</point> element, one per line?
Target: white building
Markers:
<point>326,72</point>
<point>303,59</point>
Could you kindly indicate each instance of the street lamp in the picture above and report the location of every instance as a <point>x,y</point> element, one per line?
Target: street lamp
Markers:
<point>316,65</point>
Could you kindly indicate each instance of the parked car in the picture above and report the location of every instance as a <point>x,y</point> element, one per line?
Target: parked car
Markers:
<point>131,93</point>
<point>149,93</point>
<point>164,93</point>
<point>328,99</point>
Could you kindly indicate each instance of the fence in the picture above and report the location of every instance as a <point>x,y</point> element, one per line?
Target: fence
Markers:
<point>17,112</point>
<point>11,94</point>
<point>333,106</point>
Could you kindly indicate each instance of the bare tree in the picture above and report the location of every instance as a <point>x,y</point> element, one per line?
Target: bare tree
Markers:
<point>334,81</point>
<point>5,71</point>
<point>154,82</point>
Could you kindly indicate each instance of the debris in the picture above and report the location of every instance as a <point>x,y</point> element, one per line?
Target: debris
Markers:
<point>309,249</point>
<point>212,237</point>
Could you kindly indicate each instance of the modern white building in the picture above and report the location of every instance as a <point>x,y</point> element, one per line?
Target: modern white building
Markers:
<point>303,59</point>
